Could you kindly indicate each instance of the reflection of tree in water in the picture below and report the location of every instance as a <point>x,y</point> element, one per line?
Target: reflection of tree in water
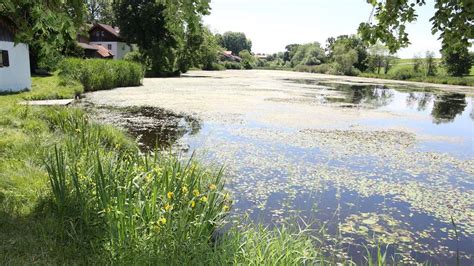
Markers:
<point>472,109</point>
<point>373,96</point>
<point>447,106</point>
<point>420,99</point>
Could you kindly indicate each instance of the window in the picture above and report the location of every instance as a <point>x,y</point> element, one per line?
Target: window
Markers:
<point>109,46</point>
<point>4,59</point>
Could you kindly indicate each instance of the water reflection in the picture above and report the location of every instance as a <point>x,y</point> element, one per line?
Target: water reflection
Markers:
<point>446,107</point>
<point>153,127</point>
<point>420,100</point>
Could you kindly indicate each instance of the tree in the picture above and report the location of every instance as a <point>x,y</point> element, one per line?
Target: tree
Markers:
<point>457,63</point>
<point>309,54</point>
<point>378,53</point>
<point>248,60</point>
<point>100,11</point>
<point>345,58</point>
<point>430,64</point>
<point>351,42</point>
<point>208,53</point>
<point>167,32</point>
<point>453,19</point>
<point>417,63</point>
<point>290,51</point>
<point>235,42</point>
<point>49,27</point>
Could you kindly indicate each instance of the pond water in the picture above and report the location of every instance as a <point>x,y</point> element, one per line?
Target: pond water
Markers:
<point>372,164</point>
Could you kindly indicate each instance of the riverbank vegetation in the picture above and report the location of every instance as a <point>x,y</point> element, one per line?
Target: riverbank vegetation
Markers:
<point>97,74</point>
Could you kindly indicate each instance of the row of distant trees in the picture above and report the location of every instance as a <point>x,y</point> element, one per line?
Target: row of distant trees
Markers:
<point>350,55</point>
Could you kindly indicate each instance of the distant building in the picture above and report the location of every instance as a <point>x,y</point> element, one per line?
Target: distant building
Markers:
<point>14,60</point>
<point>103,41</point>
<point>228,56</point>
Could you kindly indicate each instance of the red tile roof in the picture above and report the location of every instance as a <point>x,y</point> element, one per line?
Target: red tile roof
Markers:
<point>102,51</point>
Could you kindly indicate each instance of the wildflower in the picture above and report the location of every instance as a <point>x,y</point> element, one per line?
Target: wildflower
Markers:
<point>184,190</point>
<point>204,199</point>
<point>192,204</point>
<point>196,193</point>
<point>78,130</point>
<point>170,195</point>
<point>212,187</point>
<point>148,178</point>
<point>226,208</point>
<point>162,221</point>
<point>226,196</point>
<point>168,207</point>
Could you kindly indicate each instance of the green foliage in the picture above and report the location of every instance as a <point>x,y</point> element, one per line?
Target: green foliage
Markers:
<point>378,55</point>
<point>232,65</point>
<point>345,58</point>
<point>49,27</point>
<point>430,64</point>
<point>308,54</point>
<point>453,20</point>
<point>458,63</point>
<point>208,53</point>
<point>235,42</point>
<point>99,74</point>
<point>167,32</point>
<point>100,11</point>
<point>350,42</point>
<point>248,60</point>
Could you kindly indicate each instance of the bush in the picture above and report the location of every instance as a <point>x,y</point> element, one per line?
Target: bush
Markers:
<point>214,67</point>
<point>403,74</point>
<point>232,65</point>
<point>100,74</point>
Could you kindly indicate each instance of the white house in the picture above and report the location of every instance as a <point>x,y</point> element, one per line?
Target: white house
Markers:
<point>104,36</point>
<point>14,60</point>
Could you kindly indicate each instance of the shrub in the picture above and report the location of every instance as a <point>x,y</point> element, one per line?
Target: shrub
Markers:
<point>232,65</point>
<point>214,67</point>
<point>100,74</point>
<point>403,74</point>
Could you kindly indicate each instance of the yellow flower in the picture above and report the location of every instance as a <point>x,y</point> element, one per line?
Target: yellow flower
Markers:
<point>226,196</point>
<point>192,204</point>
<point>226,208</point>
<point>196,193</point>
<point>204,199</point>
<point>184,190</point>
<point>148,178</point>
<point>162,220</point>
<point>170,195</point>
<point>168,207</point>
<point>212,187</point>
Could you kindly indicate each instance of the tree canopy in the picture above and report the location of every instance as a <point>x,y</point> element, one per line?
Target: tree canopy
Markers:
<point>48,26</point>
<point>453,20</point>
<point>235,42</point>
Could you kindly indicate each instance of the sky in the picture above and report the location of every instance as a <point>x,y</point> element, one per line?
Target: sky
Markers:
<point>272,24</point>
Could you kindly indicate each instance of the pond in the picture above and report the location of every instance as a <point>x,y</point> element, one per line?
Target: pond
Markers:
<point>370,163</point>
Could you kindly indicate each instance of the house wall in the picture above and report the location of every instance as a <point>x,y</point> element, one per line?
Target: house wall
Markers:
<point>119,49</point>
<point>17,76</point>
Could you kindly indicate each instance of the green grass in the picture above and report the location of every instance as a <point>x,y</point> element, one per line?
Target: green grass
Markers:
<point>98,74</point>
<point>76,192</point>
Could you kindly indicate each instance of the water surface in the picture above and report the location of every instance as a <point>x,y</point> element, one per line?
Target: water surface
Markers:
<point>372,164</point>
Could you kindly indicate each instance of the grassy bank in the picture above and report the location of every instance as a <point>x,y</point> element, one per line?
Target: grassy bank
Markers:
<point>76,192</point>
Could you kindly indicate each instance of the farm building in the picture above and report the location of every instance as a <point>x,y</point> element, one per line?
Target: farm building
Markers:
<point>104,41</point>
<point>14,60</point>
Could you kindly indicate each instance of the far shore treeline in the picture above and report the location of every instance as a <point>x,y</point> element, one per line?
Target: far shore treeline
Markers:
<point>170,39</point>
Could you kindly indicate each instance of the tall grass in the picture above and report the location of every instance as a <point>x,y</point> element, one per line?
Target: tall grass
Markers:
<point>100,74</point>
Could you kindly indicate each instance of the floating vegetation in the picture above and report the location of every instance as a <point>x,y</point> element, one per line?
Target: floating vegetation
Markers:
<point>372,163</point>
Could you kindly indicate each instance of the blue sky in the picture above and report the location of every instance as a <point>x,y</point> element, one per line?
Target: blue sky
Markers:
<point>272,24</point>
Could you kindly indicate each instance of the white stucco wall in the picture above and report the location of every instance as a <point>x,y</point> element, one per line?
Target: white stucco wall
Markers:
<point>17,76</point>
<point>119,49</point>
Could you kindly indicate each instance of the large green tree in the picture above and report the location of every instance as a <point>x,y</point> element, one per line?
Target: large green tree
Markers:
<point>47,26</point>
<point>100,11</point>
<point>453,20</point>
<point>235,42</point>
<point>168,32</point>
